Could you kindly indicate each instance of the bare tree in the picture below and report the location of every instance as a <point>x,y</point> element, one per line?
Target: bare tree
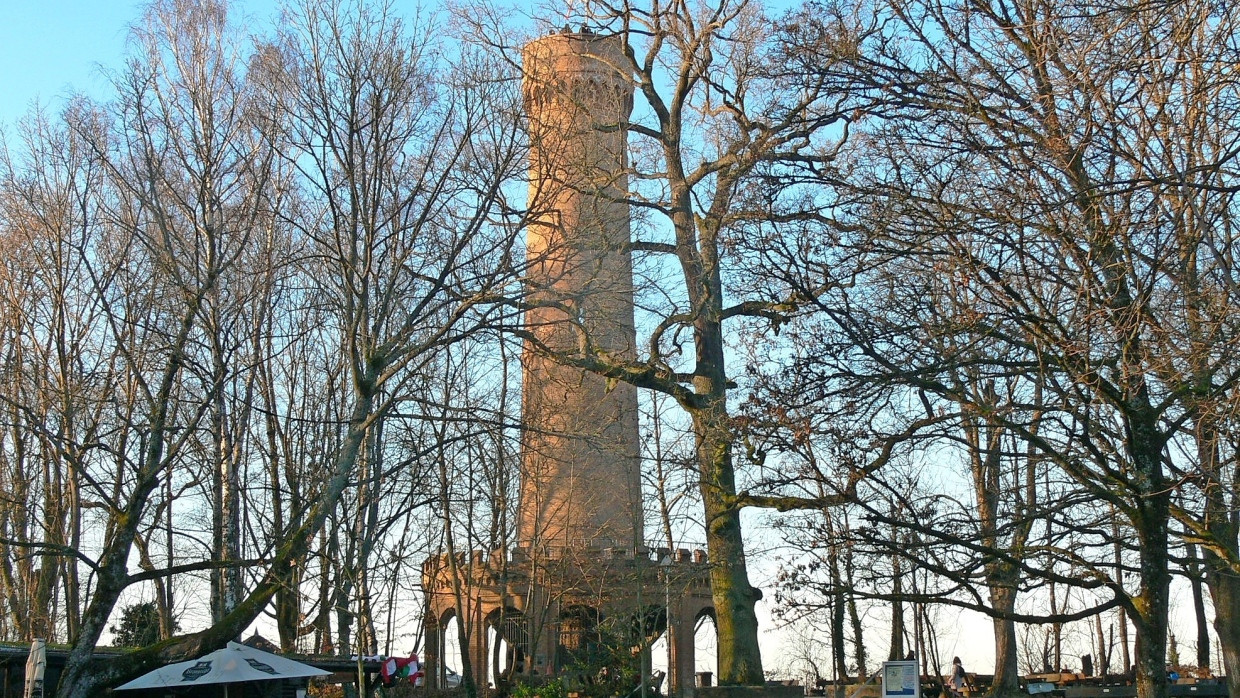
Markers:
<point>185,233</point>
<point>50,402</point>
<point>400,170</point>
<point>1023,153</point>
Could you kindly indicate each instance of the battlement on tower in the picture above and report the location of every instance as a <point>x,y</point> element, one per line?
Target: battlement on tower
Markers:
<point>590,70</point>
<point>515,558</point>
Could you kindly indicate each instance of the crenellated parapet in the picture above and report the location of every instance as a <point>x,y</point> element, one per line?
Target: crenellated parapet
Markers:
<point>581,69</point>
<point>477,569</point>
<point>502,566</point>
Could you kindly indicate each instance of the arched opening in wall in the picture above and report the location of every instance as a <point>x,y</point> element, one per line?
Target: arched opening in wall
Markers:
<point>660,648</point>
<point>497,656</point>
<point>659,653</point>
<point>578,636</point>
<point>507,645</point>
<point>450,626</point>
<point>649,629</point>
<point>706,643</point>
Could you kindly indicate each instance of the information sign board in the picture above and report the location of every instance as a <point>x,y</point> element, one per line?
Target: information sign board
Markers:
<point>901,679</point>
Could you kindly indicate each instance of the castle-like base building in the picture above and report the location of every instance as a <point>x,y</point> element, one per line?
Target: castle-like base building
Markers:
<point>555,614</point>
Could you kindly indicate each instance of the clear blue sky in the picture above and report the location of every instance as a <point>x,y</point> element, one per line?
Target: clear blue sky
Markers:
<point>50,49</point>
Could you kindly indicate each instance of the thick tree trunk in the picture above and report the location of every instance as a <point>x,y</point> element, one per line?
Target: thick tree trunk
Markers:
<point>1102,656</point>
<point>288,598</point>
<point>984,436</point>
<point>73,590</point>
<point>1151,654</point>
<point>853,616</point>
<point>1224,585</point>
<point>226,522</point>
<point>323,622</point>
<point>41,621</point>
<point>112,576</point>
<point>343,589</point>
<point>1150,517</point>
<point>839,653</point>
<point>897,611</point>
<point>1056,635</point>
<point>1007,672</point>
<point>1152,601</point>
<point>740,660</point>
<point>1221,580</point>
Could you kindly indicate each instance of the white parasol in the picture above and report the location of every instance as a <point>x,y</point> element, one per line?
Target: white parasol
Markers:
<point>235,663</point>
<point>36,665</point>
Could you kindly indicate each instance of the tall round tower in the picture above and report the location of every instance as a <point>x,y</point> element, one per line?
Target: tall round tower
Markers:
<point>580,482</point>
<point>579,556</point>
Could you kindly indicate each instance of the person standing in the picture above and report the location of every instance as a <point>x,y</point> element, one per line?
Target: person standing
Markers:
<point>958,677</point>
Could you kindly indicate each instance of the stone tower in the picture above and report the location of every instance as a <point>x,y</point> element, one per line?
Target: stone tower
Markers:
<point>579,558</point>
<point>581,485</point>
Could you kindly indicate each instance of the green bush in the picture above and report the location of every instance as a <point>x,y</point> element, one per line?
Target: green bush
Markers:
<point>548,689</point>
